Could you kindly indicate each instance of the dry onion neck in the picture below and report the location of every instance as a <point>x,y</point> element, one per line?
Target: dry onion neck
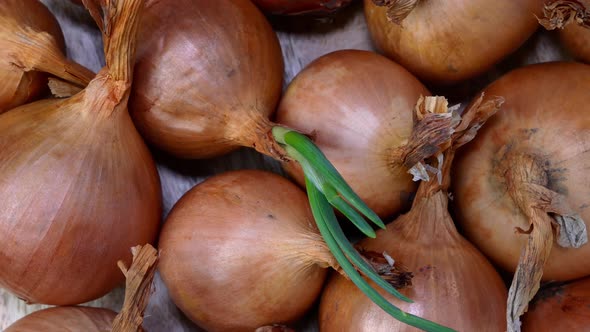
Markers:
<point>559,13</point>
<point>397,10</point>
<point>526,177</point>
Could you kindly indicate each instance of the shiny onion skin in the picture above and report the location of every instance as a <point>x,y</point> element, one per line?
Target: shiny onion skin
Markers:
<point>20,87</point>
<point>545,114</point>
<point>241,250</point>
<point>358,107</point>
<point>208,76</point>
<point>299,7</point>
<point>80,187</point>
<point>449,41</point>
<point>453,283</point>
<point>576,39</point>
<point>564,307</point>
<point>60,319</point>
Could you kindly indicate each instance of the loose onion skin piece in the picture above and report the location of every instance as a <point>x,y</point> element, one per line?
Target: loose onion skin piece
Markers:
<point>80,186</point>
<point>563,307</point>
<point>20,87</point>
<point>59,319</point>
<point>299,7</point>
<point>453,284</point>
<point>526,167</point>
<point>208,76</point>
<point>241,250</point>
<point>358,106</point>
<point>445,42</point>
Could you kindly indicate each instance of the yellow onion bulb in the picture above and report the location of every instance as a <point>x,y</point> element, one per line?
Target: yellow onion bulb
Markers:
<point>241,250</point>
<point>449,41</point>
<point>544,117</point>
<point>357,106</point>
<point>208,76</point>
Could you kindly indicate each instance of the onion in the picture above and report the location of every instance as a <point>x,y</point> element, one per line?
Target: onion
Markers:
<point>358,107</point>
<point>290,7</point>
<point>572,17</point>
<point>31,42</point>
<point>57,319</point>
<point>520,176</point>
<point>561,307</point>
<point>79,185</point>
<point>241,250</point>
<point>450,41</point>
<point>453,283</point>
<point>208,76</point>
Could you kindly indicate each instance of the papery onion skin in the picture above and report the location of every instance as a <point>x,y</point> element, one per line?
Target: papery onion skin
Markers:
<point>299,7</point>
<point>545,114</point>
<point>358,107</point>
<point>563,307</point>
<point>81,189</point>
<point>208,75</point>
<point>444,42</point>
<point>59,319</point>
<point>236,252</point>
<point>20,87</point>
<point>576,39</point>
<point>453,284</point>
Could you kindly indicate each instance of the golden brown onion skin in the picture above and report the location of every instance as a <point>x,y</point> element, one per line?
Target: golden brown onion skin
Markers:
<point>576,39</point>
<point>235,252</point>
<point>208,75</point>
<point>453,285</point>
<point>545,113</point>
<point>560,308</point>
<point>358,106</point>
<point>20,87</point>
<point>79,189</point>
<point>60,319</point>
<point>449,41</point>
<point>299,7</point>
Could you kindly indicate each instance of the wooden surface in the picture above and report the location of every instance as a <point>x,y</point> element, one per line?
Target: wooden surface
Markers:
<point>301,44</point>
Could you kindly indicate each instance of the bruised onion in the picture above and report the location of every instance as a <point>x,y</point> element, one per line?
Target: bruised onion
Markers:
<point>208,77</point>
<point>241,250</point>
<point>290,7</point>
<point>521,185</point>
<point>79,186</point>
<point>572,17</point>
<point>453,40</point>
<point>453,283</point>
<point>561,307</point>
<point>31,45</point>
<point>57,319</point>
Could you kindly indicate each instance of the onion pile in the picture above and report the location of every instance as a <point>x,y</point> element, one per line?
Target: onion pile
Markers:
<point>562,307</point>
<point>572,17</point>
<point>221,65</point>
<point>450,41</point>
<point>31,43</point>
<point>521,185</point>
<point>56,319</point>
<point>241,250</point>
<point>79,186</point>
<point>299,7</point>
<point>453,283</point>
